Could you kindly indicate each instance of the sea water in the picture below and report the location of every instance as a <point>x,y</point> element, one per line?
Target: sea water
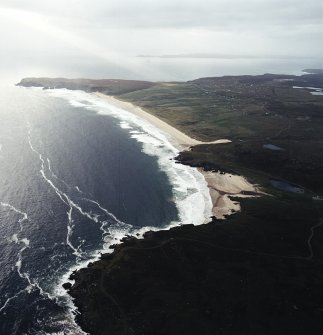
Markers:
<point>77,175</point>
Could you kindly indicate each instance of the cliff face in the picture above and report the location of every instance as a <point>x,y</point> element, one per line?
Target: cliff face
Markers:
<point>107,86</point>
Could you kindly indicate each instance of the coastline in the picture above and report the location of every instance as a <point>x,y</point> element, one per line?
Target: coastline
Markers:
<point>260,269</point>
<point>179,138</point>
<point>221,186</point>
<point>221,278</point>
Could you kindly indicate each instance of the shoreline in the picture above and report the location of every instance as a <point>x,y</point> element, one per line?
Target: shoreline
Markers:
<point>221,186</point>
<point>215,277</point>
<point>180,139</point>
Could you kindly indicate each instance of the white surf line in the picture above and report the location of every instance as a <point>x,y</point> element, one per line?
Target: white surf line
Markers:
<point>63,196</point>
<point>80,191</point>
<point>155,142</point>
<point>19,262</point>
<point>11,298</point>
<point>58,192</point>
<point>69,202</point>
<point>42,162</point>
<point>24,215</point>
<point>25,242</point>
<point>105,228</point>
<point>61,180</point>
<point>15,239</point>
<point>24,275</point>
<point>70,227</point>
<point>103,225</point>
<point>105,211</point>
<point>55,176</point>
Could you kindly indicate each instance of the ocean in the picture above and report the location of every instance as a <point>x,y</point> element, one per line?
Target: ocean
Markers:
<point>77,175</point>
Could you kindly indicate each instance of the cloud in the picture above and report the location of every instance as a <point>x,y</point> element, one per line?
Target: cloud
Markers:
<point>169,14</point>
<point>76,34</point>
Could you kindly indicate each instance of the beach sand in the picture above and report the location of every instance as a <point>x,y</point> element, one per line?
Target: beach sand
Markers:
<point>224,185</point>
<point>221,186</point>
<point>180,139</point>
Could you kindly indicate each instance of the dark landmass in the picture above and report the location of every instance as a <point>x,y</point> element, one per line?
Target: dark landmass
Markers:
<point>300,161</point>
<point>238,108</point>
<point>260,270</point>
<point>203,55</point>
<point>106,86</point>
<point>317,71</point>
<point>252,274</point>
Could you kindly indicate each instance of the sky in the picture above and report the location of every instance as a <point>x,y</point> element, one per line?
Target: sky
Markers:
<point>102,38</point>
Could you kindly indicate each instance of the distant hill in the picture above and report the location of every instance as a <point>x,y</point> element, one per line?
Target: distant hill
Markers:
<point>314,71</point>
<point>106,86</point>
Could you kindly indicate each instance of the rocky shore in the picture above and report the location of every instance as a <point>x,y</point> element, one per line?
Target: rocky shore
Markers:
<point>232,277</point>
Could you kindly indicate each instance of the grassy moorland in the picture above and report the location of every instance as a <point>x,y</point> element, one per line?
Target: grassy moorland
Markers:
<point>252,111</point>
<point>239,108</point>
<point>260,271</point>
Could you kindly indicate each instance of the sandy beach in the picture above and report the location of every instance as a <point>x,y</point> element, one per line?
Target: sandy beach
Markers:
<point>221,186</point>
<point>224,185</point>
<point>180,139</point>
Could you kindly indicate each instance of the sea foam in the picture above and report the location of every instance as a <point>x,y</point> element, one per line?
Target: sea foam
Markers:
<point>190,191</point>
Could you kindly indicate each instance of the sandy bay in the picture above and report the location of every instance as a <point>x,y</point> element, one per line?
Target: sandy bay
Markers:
<point>221,186</point>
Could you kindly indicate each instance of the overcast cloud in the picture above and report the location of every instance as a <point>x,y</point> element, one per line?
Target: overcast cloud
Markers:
<point>75,37</point>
